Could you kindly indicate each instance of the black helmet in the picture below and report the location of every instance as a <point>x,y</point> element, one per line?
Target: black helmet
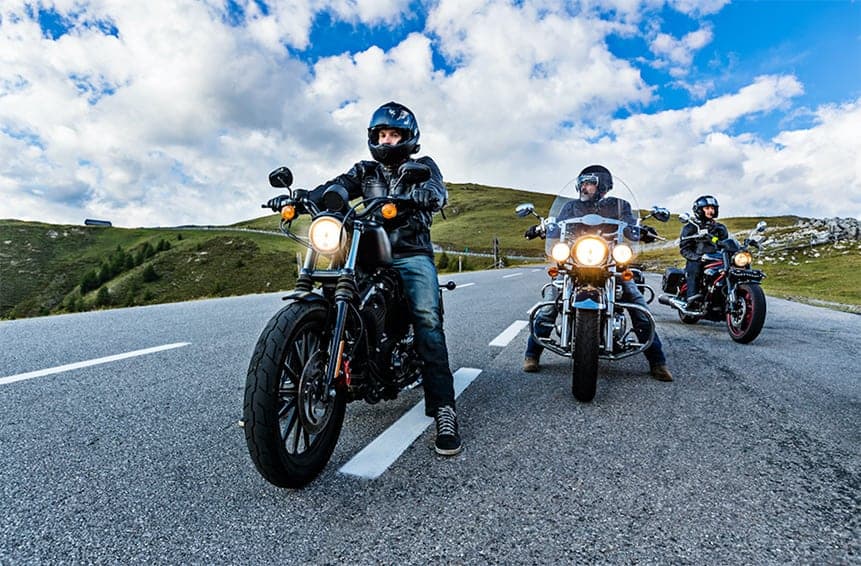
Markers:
<point>705,200</point>
<point>599,175</point>
<point>398,117</point>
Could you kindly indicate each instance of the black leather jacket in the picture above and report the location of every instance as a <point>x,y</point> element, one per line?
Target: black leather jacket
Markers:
<point>693,248</point>
<point>409,235</point>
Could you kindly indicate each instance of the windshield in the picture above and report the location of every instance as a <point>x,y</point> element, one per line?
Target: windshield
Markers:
<point>610,217</point>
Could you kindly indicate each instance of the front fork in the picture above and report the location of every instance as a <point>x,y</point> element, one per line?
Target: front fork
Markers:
<point>346,293</point>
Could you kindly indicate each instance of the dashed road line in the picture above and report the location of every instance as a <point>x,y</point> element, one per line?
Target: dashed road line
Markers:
<point>88,363</point>
<point>376,457</point>
<point>509,333</point>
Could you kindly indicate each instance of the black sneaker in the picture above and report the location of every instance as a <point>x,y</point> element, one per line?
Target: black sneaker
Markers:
<point>447,438</point>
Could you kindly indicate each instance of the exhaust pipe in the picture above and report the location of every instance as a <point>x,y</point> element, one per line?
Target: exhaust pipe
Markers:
<point>677,304</point>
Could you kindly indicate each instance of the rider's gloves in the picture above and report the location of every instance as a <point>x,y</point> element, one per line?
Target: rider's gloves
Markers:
<point>299,194</point>
<point>532,232</point>
<point>424,199</point>
<point>648,234</point>
<point>277,203</point>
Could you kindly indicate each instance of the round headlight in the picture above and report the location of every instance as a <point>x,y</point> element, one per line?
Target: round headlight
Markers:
<point>325,234</point>
<point>623,253</point>
<point>590,251</point>
<point>560,252</point>
<point>742,259</point>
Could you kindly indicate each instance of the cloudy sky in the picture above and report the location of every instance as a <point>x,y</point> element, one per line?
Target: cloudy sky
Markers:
<point>170,112</point>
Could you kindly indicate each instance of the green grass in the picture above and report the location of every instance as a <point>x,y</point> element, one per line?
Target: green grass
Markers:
<point>42,265</point>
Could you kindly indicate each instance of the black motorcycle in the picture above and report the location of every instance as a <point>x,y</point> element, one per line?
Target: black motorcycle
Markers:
<point>342,336</point>
<point>731,288</point>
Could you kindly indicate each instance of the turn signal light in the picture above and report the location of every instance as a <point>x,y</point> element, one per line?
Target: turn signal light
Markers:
<point>389,210</point>
<point>553,271</point>
<point>627,275</point>
<point>288,212</point>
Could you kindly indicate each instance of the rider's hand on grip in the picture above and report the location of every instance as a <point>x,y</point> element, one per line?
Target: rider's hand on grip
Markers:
<point>277,203</point>
<point>424,199</point>
<point>648,234</point>
<point>532,232</point>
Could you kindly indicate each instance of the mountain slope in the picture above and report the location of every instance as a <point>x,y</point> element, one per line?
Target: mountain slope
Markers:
<point>43,266</point>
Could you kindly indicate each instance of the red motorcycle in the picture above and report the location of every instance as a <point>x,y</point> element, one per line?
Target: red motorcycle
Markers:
<point>732,290</point>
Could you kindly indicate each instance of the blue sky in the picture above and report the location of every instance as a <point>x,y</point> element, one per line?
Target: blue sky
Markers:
<point>171,112</point>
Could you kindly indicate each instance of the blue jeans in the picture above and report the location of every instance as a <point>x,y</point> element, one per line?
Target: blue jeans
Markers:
<point>421,286</point>
<point>545,321</point>
<point>693,272</point>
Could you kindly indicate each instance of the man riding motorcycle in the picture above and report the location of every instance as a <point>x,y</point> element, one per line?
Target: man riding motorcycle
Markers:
<point>699,239</point>
<point>393,136</point>
<point>593,183</point>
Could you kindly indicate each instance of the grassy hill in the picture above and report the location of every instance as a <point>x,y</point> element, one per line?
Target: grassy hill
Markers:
<point>49,269</point>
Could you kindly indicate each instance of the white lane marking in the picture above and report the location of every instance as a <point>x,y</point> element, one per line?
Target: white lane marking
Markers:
<point>87,363</point>
<point>509,333</point>
<point>462,285</point>
<point>376,457</point>
<point>518,274</point>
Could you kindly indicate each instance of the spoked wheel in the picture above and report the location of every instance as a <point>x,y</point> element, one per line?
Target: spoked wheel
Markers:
<point>584,376</point>
<point>747,315</point>
<point>291,425</point>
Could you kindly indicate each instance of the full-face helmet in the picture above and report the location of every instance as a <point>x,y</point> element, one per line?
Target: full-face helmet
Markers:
<point>600,176</point>
<point>392,115</point>
<point>700,203</point>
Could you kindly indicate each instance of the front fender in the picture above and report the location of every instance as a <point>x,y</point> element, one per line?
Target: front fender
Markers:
<point>588,299</point>
<point>304,297</point>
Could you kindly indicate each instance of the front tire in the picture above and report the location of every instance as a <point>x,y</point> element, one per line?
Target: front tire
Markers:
<point>747,316</point>
<point>584,375</point>
<point>289,429</point>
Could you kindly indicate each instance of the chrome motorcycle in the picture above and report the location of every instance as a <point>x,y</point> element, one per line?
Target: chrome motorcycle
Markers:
<point>343,335</point>
<point>591,256</point>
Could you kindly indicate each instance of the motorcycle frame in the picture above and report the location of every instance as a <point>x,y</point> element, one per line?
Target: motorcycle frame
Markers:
<point>607,307</point>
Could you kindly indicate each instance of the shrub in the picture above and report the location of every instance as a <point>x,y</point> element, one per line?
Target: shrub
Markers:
<point>149,275</point>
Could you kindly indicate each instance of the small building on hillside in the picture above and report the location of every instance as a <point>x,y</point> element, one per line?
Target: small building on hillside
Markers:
<point>94,222</point>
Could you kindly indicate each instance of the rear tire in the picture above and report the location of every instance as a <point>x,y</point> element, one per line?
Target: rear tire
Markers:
<point>584,375</point>
<point>291,351</point>
<point>748,318</point>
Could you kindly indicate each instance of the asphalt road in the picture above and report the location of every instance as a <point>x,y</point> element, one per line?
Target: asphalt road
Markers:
<point>752,455</point>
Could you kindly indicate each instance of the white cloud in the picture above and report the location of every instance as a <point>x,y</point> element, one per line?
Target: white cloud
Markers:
<point>678,54</point>
<point>180,117</point>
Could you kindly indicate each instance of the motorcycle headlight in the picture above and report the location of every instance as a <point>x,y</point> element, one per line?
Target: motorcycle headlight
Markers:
<point>590,251</point>
<point>742,259</point>
<point>325,234</point>
<point>623,253</point>
<point>560,252</point>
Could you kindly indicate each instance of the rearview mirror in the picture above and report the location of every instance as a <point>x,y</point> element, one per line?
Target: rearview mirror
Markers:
<point>660,214</point>
<point>281,178</point>
<point>760,226</point>
<point>685,217</point>
<point>524,209</point>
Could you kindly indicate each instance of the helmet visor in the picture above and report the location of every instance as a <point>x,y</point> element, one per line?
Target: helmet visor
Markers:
<point>588,178</point>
